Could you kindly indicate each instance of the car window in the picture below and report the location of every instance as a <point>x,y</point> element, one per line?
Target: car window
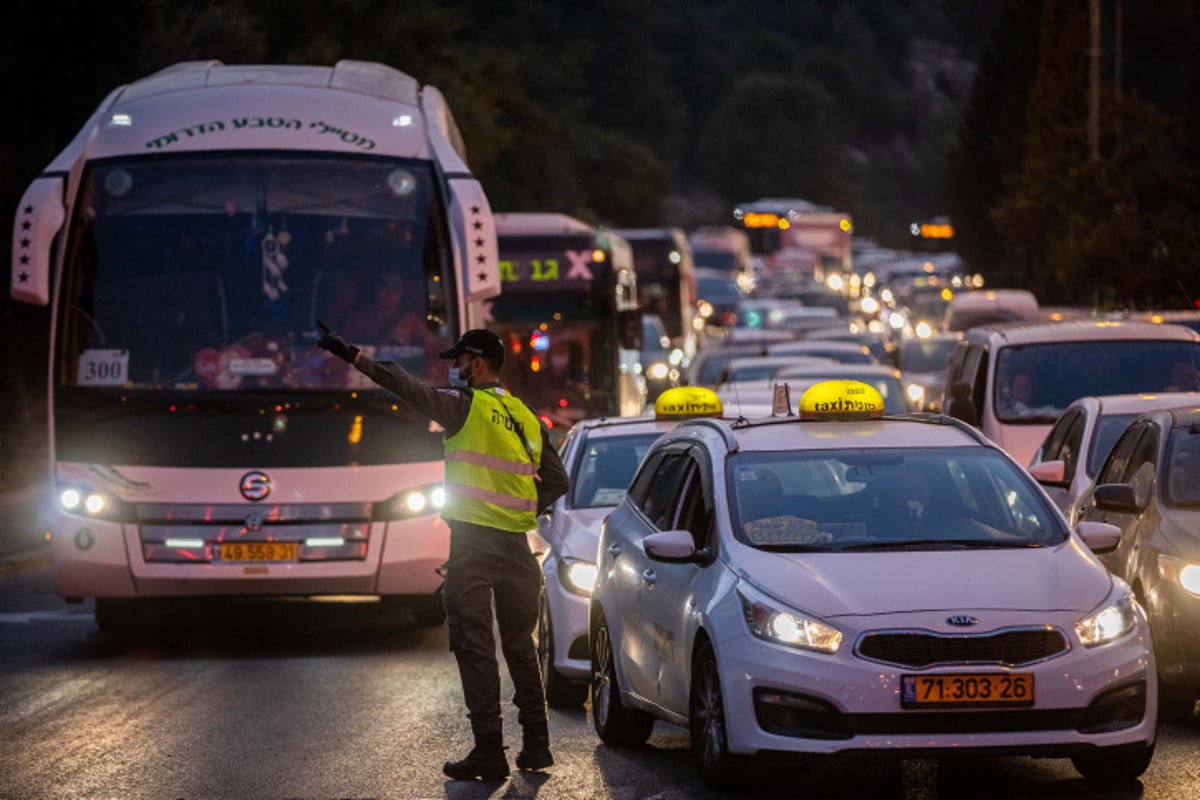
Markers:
<point>1071,444</point>
<point>1113,470</point>
<point>1052,446</point>
<point>1108,428</point>
<point>696,509</point>
<point>606,468</point>
<point>1142,465</point>
<point>1184,459</point>
<point>662,500</point>
<point>971,496</point>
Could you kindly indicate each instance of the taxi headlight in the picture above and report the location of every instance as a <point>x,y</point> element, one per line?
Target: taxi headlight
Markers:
<point>416,502</point>
<point>1109,623</point>
<point>778,625</point>
<point>96,503</point>
<point>1180,572</point>
<point>577,576</point>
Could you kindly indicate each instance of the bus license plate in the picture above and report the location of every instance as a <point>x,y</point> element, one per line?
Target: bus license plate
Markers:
<point>260,551</point>
<point>986,689</point>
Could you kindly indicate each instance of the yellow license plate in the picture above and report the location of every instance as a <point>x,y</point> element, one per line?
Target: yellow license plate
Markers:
<point>981,689</point>
<point>260,551</point>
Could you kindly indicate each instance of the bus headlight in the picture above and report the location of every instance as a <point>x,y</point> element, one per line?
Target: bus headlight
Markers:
<point>415,502</point>
<point>96,503</point>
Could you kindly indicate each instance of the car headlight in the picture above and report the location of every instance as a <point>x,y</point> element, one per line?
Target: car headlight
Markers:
<point>1117,618</point>
<point>415,502</point>
<point>923,330</point>
<point>577,576</point>
<point>658,370</point>
<point>1178,571</point>
<point>916,394</point>
<point>781,626</point>
<point>96,503</point>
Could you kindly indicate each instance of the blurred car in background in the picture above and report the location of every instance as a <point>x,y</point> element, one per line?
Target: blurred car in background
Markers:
<point>923,363</point>
<point>1149,487</point>
<point>1077,444</point>
<point>661,363</point>
<point>841,352</point>
<point>988,307</point>
<point>717,296</point>
<point>872,341</point>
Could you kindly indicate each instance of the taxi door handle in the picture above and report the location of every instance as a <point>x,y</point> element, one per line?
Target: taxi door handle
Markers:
<point>614,549</point>
<point>649,576</point>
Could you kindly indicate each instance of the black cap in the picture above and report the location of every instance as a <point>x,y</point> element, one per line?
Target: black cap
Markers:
<point>477,342</point>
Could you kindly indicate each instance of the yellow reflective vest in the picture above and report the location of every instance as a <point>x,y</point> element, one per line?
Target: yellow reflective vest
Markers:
<point>489,474</point>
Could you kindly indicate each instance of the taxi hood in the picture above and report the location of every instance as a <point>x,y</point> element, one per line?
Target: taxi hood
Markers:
<point>830,585</point>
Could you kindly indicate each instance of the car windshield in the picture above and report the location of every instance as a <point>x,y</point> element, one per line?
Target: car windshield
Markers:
<point>926,355</point>
<point>886,499</point>
<point>1035,383</point>
<point>606,467</point>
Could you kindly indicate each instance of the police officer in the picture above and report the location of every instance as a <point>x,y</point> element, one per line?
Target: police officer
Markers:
<point>500,473</point>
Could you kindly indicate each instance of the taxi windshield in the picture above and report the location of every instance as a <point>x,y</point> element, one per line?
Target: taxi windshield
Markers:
<point>886,499</point>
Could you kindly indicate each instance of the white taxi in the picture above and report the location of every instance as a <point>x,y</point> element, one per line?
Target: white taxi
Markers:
<point>601,456</point>
<point>845,582</point>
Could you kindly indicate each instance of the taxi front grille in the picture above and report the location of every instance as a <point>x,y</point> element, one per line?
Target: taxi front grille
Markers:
<point>1013,647</point>
<point>304,532</point>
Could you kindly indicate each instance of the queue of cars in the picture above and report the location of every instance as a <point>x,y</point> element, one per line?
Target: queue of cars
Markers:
<point>750,574</point>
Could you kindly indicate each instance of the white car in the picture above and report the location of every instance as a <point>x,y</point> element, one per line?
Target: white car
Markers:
<point>601,456</point>
<point>842,582</point>
<point>1077,444</point>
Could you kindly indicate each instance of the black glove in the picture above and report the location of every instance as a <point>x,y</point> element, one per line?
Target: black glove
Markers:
<point>336,344</point>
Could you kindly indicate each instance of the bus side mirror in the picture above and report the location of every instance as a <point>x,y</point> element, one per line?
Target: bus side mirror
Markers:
<point>630,323</point>
<point>38,222</point>
<point>473,235</point>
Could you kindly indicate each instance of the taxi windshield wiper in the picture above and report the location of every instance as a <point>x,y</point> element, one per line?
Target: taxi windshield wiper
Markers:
<point>942,544</point>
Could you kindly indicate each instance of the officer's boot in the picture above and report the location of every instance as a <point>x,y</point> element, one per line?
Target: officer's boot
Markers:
<point>485,762</point>
<point>535,747</point>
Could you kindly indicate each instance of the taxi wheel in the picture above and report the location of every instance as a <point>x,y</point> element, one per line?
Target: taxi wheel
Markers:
<point>1106,768</point>
<point>614,723</point>
<point>710,744</point>
<point>560,692</point>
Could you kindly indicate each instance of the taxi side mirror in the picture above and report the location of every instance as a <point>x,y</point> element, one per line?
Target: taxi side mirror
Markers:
<point>1100,537</point>
<point>676,546</point>
<point>1119,497</point>
<point>1050,473</point>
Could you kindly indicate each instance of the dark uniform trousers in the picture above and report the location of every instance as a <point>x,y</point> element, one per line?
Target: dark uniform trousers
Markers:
<point>487,563</point>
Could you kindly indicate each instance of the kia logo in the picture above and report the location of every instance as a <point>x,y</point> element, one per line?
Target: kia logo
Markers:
<point>255,485</point>
<point>962,620</point>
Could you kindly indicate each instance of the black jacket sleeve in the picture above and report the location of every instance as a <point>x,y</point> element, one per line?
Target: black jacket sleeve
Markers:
<point>552,481</point>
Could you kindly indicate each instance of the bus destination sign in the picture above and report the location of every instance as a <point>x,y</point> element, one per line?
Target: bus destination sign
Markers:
<point>562,269</point>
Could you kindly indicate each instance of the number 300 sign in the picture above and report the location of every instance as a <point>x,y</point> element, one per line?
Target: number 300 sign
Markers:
<point>103,367</point>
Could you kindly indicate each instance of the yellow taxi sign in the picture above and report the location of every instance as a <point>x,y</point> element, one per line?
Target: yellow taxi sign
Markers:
<point>683,402</point>
<point>841,400</point>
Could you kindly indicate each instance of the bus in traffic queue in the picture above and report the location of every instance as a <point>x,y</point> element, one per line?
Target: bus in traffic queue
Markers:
<point>568,314</point>
<point>186,242</point>
<point>810,241</point>
<point>666,281</point>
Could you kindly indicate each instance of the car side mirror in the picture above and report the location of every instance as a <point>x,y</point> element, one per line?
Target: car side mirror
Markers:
<point>676,546</point>
<point>1050,473</point>
<point>1100,537</point>
<point>1119,497</point>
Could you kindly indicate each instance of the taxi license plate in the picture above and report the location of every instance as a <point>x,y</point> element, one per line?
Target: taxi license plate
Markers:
<point>978,689</point>
<point>260,551</point>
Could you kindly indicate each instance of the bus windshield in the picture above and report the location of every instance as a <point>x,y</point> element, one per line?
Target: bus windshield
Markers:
<point>207,273</point>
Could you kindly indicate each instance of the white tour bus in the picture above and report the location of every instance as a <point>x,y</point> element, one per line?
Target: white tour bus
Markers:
<point>187,241</point>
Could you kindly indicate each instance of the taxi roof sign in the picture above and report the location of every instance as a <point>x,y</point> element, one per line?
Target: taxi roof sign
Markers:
<point>841,401</point>
<point>685,402</point>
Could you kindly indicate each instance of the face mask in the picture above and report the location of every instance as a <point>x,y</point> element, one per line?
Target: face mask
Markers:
<point>458,380</point>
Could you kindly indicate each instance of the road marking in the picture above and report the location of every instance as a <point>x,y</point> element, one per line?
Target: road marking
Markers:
<point>30,617</point>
